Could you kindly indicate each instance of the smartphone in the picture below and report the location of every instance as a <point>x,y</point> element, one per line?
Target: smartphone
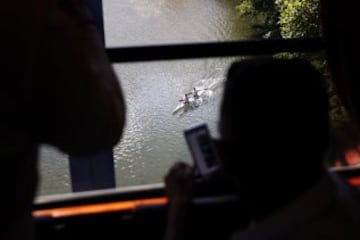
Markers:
<point>202,149</point>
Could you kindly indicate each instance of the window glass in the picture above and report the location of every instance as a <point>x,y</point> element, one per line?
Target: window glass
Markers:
<point>54,170</point>
<point>153,137</point>
<point>136,22</point>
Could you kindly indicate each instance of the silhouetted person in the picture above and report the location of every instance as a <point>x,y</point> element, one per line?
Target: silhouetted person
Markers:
<point>274,135</point>
<point>339,23</point>
<point>58,88</point>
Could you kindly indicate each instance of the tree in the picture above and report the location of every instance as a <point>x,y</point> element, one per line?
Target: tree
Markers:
<point>262,15</point>
<point>299,18</point>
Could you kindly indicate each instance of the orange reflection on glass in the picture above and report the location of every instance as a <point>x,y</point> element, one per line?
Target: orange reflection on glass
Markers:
<point>72,211</point>
<point>355,181</point>
<point>352,157</point>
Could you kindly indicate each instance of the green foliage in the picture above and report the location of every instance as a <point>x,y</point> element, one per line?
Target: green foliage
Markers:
<point>298,18</point>
<point>262,15</point>
<point>282,18</point>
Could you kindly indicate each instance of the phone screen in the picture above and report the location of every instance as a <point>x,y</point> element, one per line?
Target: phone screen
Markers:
<point>202,149</point>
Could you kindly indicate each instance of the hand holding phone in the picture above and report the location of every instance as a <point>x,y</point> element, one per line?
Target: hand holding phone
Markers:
<point>202,149</point>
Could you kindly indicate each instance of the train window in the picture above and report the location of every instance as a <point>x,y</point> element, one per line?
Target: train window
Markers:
<point>157,115</point>
<point>153,137</point>
<point>136,22</point>
<point>156,118</point>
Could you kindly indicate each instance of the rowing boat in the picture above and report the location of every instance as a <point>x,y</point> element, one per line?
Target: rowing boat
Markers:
<point>203,95</point>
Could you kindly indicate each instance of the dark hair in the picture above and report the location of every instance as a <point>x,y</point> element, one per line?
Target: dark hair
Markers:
<point>277,99</point>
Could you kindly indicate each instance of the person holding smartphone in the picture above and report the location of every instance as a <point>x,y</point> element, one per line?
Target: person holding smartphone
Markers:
<point>274,133</point>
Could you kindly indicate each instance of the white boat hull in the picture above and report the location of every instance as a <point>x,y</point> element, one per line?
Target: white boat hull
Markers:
<point>193,103</point>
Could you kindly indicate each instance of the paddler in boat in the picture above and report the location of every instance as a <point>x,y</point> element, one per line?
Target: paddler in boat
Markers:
<point>185,100</point>
<point>195,93</point>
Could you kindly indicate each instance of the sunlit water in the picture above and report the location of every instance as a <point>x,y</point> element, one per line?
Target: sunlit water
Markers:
<point>153,137</point>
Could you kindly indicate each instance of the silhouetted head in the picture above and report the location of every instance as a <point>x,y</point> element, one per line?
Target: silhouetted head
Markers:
<point>274,121</point>
<point>342,50</point>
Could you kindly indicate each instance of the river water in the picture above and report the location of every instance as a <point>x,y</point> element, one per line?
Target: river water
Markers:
<point>153,137</point>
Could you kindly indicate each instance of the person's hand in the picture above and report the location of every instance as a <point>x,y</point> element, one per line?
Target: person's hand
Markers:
<point>179,183</point>
<point>179,187</point>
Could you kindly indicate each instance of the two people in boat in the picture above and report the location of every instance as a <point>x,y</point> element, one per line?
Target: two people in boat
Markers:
<point>194,94</point>
<point>185,99</point>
